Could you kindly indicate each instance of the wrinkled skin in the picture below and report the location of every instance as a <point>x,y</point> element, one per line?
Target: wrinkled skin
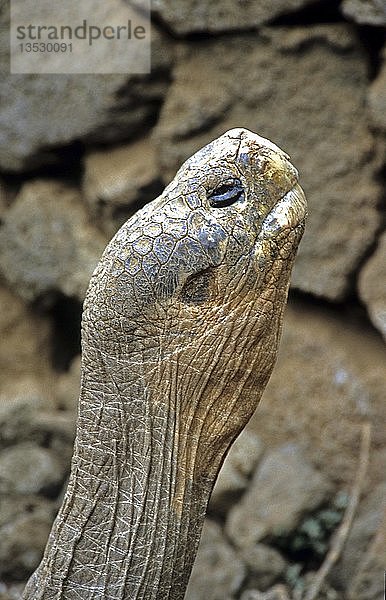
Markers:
<point>180,331</point>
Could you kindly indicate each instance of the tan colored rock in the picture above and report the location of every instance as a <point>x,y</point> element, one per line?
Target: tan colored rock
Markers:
<point>326,592</point>
<point>11,591</point>
<point>238,466</point>
<point>304,88</point>
<point>284,488</point>
<point>29,469</point>
<point>67,388</point>
<point>29,422</point>
<point>25,523</point>
<point>217,572</point>
<point>118,180</point>
<point>18,414</point>
<point>57,426</point>
<point>27,415</point>
<point>3,201</point>
<point>189,16</point>
<point>101,108</point>
<point>377,98</point>
<point>74,106</point>
<point>360,569</point>
<point>277,592</point>
<point>365,12</point>
<point>264,563</point>
<point>329,378</point>
<point>24,349</point>
<point>115,176</point>
<point>372,286</point>
<point>47,243</point>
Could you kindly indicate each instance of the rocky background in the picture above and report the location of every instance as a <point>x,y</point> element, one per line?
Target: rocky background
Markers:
<point>79,154</point>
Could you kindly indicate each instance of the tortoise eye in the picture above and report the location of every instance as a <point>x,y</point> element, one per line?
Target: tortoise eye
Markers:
<point>226,194</point>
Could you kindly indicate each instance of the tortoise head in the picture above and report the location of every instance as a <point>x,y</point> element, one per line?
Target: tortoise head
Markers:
<point>194,285</point>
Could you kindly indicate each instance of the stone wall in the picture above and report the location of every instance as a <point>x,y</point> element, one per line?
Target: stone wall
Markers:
<point>79,154</point>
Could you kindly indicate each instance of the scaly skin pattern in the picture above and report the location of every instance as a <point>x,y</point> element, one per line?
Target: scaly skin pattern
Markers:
<point>180,331</point>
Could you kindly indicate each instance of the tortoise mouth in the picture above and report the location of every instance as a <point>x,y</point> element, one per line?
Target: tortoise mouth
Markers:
<point>289,212</point>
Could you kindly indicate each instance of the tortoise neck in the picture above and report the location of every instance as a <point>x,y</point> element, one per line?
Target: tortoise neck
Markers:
<point>131,519</point>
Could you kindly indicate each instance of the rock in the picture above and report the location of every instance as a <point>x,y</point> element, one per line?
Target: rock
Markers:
<point>265,564</point>
<point>120,180</point>
<point>326,592</point>
<point>367,585</point>
<point>29,469</point>
<point>329,378</point>
<point>360,569</point>
<point>244,78</point>
<point>60,425</point>
<point>217,572</point>
<point>12,591</point>
<point>284,488</point>
<point>278,592</point>
<point>24,348</point>
<point>189,16</point>
<point>95,108</point>
<point>57,426</point>
<point>75,106</point>
<point>3,200</point>
<point>365,12</point>
<point>47,243</point>
<point>117,175</point>
<point>252,595</point>
<point>233,477</point>
<point>376,98</point>
<point>58,429</point>
<point>27,416</point>
<point>24,527</point>
<point>17,418</point>
<point>372,289</point>
<point>68,385</point>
